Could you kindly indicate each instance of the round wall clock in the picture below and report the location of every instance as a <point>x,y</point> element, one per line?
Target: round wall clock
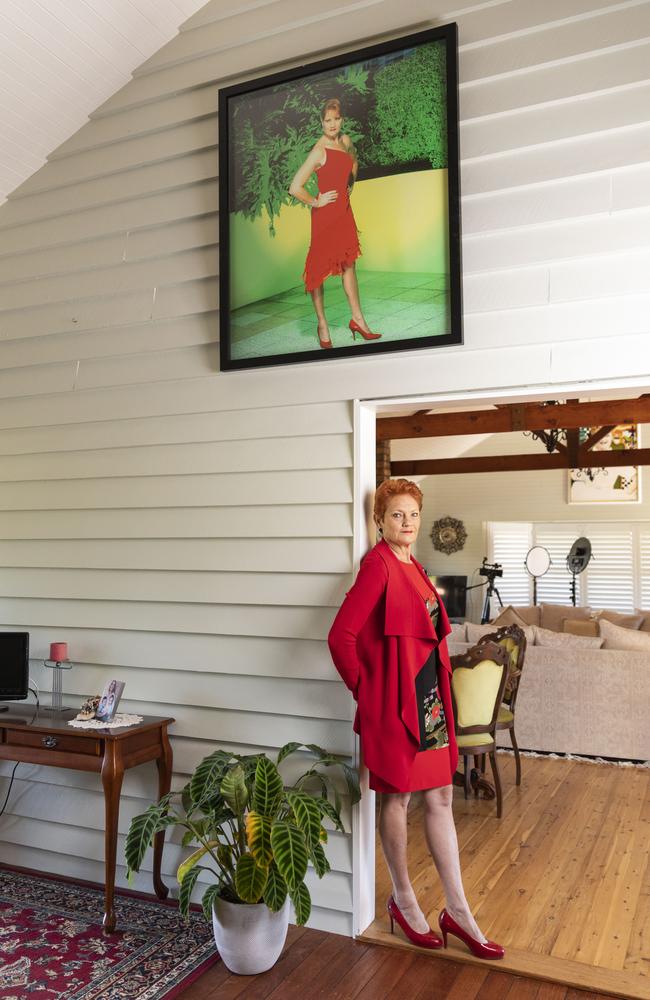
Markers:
<point>448,535</point>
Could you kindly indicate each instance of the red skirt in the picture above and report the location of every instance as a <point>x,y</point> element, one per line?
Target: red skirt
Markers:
<point>430,769</point>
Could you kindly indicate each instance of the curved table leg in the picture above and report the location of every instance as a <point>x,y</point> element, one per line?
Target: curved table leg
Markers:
<point>164,764</point>
<point>112,775</point>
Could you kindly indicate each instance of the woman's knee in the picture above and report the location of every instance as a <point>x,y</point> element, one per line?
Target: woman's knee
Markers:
<point>439,798</point>
<point>395,800</point>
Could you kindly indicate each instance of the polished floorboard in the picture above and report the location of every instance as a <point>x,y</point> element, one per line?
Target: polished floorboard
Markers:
<point>319,966</point>
<point>562,879</point>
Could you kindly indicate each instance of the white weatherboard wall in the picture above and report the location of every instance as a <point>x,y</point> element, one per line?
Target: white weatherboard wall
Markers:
<point>191,532</point>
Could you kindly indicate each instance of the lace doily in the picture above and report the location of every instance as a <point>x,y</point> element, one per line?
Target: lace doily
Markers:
<point>119,722</point>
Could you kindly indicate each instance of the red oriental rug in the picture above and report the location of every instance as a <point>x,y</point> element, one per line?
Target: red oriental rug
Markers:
<point>52,945</point>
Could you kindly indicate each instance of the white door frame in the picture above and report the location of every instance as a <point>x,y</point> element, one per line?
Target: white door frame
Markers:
<point>365,413</point>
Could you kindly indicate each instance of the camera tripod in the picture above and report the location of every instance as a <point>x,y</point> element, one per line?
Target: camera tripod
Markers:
<point>491,589</point>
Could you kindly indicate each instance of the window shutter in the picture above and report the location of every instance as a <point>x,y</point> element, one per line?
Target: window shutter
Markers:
<point>644,564</point>
<point>508,543</point>
<point>555,586</point>
<point>610,573</point>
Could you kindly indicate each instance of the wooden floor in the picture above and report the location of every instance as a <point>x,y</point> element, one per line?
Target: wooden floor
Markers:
<point>319,966</point>
<point>562,880</point>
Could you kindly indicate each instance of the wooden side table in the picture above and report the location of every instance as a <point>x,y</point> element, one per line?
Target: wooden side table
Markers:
<point>33,738</point>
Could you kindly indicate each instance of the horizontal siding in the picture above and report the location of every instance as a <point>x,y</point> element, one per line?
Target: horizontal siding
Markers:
<point>189,531</point>
<point>209,653</point>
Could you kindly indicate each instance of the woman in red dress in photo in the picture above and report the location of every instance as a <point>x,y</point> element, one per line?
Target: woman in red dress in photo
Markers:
<point>388,642</point>
<point>334,243</point>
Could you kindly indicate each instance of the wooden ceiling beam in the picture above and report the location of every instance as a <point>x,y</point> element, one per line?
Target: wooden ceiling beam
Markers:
<point>516,417</point>
<point>519,463</point>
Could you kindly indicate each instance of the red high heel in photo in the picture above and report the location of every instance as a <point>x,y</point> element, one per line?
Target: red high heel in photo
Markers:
<point>427,940</point>
<point>488,950</point>
<point>325,344</point>
<point>366,334</point>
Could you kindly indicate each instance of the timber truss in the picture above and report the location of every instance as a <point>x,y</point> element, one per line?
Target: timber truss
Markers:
<point>541,418</point>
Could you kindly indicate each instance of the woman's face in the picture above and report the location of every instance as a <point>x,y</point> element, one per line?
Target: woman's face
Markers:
<point>332,123</point>
<point>401,522</point>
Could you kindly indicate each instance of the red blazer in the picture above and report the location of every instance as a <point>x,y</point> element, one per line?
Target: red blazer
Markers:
<point>380,639</point>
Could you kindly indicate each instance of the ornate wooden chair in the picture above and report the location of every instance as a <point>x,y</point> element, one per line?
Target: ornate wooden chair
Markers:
<point>478,683</point>
<point>513,640</point>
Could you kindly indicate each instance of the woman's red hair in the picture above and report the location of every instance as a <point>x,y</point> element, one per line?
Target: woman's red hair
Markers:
<point>332,105</point>
<point>395,488</point>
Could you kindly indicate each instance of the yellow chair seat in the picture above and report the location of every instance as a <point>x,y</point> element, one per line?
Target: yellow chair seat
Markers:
<point>473,739</point>
<point>505,715</point>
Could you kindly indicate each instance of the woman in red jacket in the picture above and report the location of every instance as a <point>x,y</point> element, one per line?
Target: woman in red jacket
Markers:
<point>388,644</point>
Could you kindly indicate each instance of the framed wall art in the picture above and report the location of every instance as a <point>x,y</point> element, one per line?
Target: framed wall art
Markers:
<point>608,484</point>
<point>339,206</point>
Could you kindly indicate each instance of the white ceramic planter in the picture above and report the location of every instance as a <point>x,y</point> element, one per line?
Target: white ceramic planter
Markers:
<point>249,936</point>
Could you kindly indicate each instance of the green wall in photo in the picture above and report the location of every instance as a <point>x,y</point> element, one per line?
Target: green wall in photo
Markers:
<point>402,221</point>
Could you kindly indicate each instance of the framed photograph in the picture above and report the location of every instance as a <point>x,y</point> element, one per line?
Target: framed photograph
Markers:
<point>339,206</point>
<point>608,484</point>
<point>109,701</point>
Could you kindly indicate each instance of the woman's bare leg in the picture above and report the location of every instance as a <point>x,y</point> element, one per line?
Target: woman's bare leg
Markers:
<point>392,830</point>
<point>351,289</point>
<point>318,298</point>
<point>440,831</point>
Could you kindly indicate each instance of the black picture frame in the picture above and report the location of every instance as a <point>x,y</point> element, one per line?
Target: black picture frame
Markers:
<point>446,36</point>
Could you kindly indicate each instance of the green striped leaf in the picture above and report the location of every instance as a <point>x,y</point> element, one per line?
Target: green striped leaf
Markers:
<point>142,831</point>
<point>302,903</point>
<point>275,892</point>
<point>268,788</point>
<point>234,791</point>
<point>327,809</point>
<point>186,888</point>
<point>193,860</point>
<point>305,809</point>
<point>209,897</point>
<point>258,836</point>
<point>319,860</point>
<point>290,852</point>
<point>287,749</point>
<point>207,777</point>
<point>250,879</point>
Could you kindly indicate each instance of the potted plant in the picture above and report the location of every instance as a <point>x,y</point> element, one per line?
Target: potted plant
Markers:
<point>255,836</point>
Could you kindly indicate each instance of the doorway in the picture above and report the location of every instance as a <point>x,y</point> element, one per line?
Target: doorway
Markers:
<point>367,915</point>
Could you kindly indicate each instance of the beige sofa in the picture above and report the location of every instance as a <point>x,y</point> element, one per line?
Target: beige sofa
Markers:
<point>593,702</point>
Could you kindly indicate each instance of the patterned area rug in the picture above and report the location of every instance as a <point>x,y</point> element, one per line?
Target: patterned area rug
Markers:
<point>52,945</point>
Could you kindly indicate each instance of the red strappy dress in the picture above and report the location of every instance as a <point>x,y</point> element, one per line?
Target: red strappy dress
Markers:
<point>334,238</point>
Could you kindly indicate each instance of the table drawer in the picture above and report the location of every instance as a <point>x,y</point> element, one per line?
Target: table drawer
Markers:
<point>49,741</point>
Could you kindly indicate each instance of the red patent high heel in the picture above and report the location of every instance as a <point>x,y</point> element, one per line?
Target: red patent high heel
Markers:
<point>366,334</point>
<point>488,950</point>
<point>427,940</point>
<point>326,344</point>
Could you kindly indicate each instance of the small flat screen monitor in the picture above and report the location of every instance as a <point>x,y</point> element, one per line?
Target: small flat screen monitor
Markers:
<point>453,590</point>
<point>14,666</point>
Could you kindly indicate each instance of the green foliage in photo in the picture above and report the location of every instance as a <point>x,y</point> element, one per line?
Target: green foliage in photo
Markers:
<point>408,122</point>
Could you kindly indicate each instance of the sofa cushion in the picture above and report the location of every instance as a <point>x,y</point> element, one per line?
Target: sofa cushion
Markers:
<point>553,615</point>
<point>530,613</point>
<point>616,637</point>
<point>509,616</point>
<point>547,637</point>
<point>616,618</point>
<point>645,624</point>
<point>576,626</point>
<point>475,632</point>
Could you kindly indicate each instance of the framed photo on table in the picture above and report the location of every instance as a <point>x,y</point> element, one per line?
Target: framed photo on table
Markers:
<point>339,206</point>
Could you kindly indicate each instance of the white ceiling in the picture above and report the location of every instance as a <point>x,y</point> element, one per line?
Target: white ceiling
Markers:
<point>61,59</point>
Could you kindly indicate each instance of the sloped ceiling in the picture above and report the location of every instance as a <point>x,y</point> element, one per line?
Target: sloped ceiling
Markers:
<point>60,59</point>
